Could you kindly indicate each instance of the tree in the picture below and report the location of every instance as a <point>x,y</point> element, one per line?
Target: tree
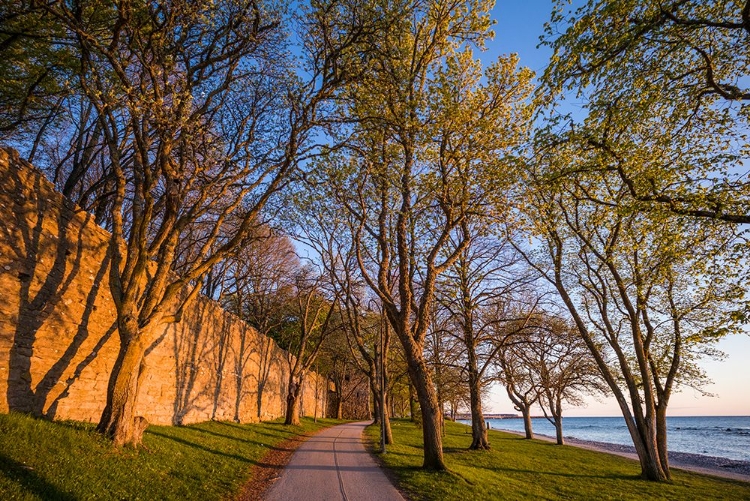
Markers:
<point>443,355</point>
<point>317,221</point>
<point>38,70</point>
<point>425,131</point>
<point>369,340</point>
<point>339,363</point>
<point>647,293</point>
<point>477,293</point>
<point>516,377</point>
<point>560,366</point>
<point>666,98</point>
<point>202,118</point>
<point>258,288</point>
<point>313,321</point>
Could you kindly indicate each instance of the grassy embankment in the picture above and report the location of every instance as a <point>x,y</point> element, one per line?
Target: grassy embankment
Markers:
<point>520,469</point>
<point>69,460</point>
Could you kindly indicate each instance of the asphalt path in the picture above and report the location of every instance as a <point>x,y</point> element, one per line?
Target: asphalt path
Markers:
<point>333,465</point>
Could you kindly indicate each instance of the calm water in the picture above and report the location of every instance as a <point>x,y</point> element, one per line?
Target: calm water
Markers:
<point>727,437</point>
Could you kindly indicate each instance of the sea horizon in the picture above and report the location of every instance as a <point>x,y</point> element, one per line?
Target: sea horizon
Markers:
<point>712,435</point>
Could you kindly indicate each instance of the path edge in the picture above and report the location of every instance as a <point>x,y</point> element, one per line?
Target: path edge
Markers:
<point>371,448</point>
<point>262,475</point>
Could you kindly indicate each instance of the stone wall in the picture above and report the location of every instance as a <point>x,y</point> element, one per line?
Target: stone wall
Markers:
<point>58,340</point>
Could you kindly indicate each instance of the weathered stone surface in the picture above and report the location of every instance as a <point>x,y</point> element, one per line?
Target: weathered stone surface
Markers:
<point>58,340</point>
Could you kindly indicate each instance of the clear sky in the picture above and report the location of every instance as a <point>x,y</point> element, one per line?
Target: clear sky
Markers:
<point>519,25</point>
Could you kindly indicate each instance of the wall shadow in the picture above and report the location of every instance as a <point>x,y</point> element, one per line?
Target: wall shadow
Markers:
<point>259,345</point>
<point>221,352</point>
<point>35,214</point>
<point>190,347</point>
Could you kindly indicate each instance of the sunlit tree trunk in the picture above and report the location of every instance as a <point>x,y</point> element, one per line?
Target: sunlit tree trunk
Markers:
<point>478,429</point>
<point>526,413</point>
<point>430,413</point>
<point>118,420</point>
<point>292,401</point>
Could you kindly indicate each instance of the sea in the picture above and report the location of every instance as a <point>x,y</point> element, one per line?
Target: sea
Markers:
<point>719,436</point>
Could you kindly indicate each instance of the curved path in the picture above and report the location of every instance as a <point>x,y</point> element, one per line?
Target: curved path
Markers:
<point>333,465</point>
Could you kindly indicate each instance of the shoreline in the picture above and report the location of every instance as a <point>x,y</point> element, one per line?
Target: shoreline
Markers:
<point>708,465</point>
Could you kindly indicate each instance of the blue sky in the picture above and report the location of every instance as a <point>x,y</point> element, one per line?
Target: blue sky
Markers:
<point>519,25</point>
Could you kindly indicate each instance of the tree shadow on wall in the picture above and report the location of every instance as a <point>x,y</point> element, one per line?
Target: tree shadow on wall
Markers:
<point>221,352</point>
<point>270,356</point>
<point>190,348</point>
<point>39,303</point>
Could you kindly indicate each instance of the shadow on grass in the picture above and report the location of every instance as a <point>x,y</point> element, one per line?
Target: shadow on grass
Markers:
<point>461,454</point>
<point>539,473</point>
<point>30,480</point>
<point>461,450</point>
<point>203,448</point>
<point>75,425</point>
<point>275,430</point>
<point>227,437</point>
<point>501,470</point>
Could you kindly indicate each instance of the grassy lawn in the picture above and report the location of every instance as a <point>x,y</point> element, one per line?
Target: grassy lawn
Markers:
<point>69,460</point>
<point>533,469</point>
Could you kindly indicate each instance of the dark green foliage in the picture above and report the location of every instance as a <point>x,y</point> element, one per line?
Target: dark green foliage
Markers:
<point>36,68</point>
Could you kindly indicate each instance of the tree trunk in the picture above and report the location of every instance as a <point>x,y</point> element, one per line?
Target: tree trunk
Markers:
<point>661,438</point>
<point>414,414</point>
<point>645,446</point>
<point>118,420</point>
<point>375,409</point>
<point>559,430</point>
<point>339,407</point>
<point>386,417</point>
<point>375,392</point>
<point>479,439</point>
<point>292,403</point>
<point>651,468</point>
<point>387,424</point>
<point>430,411</point>
<point>292,410</point>
<point>526,412</point>
<point>644,441</point>
<point>439,394</point>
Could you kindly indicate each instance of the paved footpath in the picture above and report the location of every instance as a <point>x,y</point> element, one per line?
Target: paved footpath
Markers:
<point>333,465</point>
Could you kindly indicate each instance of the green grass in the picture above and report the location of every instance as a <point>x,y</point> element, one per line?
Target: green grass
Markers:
<point>520,469</point>
<point>69,460</point>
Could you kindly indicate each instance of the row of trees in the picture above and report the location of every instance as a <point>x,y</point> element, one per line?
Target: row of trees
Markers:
<point>175,123</point>
<point>449,206</point>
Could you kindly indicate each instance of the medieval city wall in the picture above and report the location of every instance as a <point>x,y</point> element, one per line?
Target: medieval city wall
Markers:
<point>58,337</point>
